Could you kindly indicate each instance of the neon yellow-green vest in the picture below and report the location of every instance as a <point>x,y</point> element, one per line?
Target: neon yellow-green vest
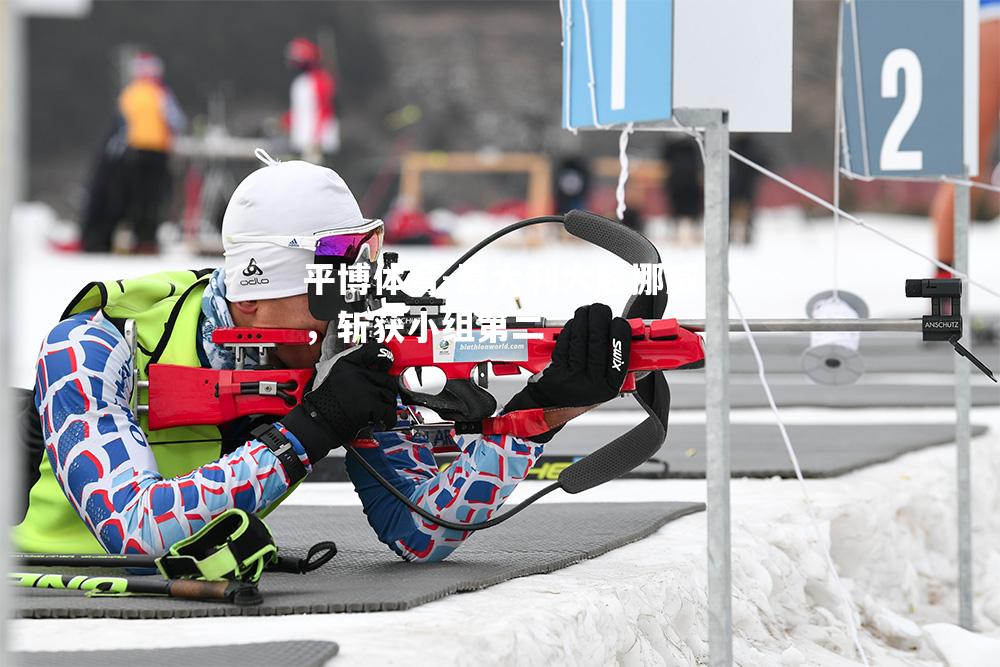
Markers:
<point>165,307</point>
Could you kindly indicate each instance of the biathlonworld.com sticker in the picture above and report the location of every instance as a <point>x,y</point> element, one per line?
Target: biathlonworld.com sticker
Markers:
<point>481,346</point>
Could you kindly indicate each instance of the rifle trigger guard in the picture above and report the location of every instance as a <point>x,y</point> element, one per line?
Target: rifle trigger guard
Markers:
<point>460,400</point>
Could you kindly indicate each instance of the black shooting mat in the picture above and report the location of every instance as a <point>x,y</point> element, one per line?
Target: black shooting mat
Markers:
<point>757,450</point>
<point>292,653</point>
<point>366,576</point>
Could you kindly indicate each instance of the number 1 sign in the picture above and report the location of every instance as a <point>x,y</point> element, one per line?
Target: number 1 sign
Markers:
<point>646,58</point>
<point>908,114</point>
<point>625,49</point>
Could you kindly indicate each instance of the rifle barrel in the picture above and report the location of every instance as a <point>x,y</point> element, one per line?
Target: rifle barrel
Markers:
<point>798,325</point>
<point>809,325</point>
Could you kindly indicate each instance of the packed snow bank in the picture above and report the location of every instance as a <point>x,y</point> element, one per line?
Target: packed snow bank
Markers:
<point>892,528</point>
<point>961,648</point>
<point>892,531</point>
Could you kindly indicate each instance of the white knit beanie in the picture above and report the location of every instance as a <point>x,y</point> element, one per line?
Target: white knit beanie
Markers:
<point>281,199</point>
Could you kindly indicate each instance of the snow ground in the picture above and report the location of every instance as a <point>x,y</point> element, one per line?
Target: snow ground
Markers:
<point>892,526</point>
<point>893,529</point>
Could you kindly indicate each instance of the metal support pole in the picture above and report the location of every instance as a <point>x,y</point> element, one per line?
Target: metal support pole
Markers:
<point>714,125</point>
<point>720,625</point>
<point>963,403</point>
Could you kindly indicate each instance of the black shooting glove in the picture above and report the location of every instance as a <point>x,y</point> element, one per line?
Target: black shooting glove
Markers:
<point>357,393</point>
<point>589,365</point>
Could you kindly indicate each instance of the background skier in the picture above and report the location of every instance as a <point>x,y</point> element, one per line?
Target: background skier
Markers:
<point>314,131</point>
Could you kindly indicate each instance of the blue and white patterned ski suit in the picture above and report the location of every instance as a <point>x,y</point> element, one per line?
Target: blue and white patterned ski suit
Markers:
<point>106,468</point>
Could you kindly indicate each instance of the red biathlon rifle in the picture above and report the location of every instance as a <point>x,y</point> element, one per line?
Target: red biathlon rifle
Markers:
<point>181,396</point>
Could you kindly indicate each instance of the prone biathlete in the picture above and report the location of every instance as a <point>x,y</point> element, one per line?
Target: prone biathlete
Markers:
<point>108,483</point>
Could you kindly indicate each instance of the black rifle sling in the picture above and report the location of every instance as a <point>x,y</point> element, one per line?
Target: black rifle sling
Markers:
<point>624,453</point>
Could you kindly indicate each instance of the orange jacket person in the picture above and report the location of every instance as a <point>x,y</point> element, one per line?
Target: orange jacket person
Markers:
<point>151,116</point>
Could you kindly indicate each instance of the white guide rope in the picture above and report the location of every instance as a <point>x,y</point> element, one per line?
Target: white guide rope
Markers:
<point>861,223</point>
<point>566,14</point>
<point>592,85</point>
<point>835,209</point>
<point>990,187</point>
<point>837,129</point>
<point>857,80</point>
<point>853,621</point>
<point>845,147</point>
<point>623,174</point>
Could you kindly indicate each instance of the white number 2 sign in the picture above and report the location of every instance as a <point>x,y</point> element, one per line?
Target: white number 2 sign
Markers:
<point>891,157</point>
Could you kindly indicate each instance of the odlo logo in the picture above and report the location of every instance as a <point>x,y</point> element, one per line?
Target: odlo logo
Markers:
<point>254,270</point>
<point>617,358</point>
